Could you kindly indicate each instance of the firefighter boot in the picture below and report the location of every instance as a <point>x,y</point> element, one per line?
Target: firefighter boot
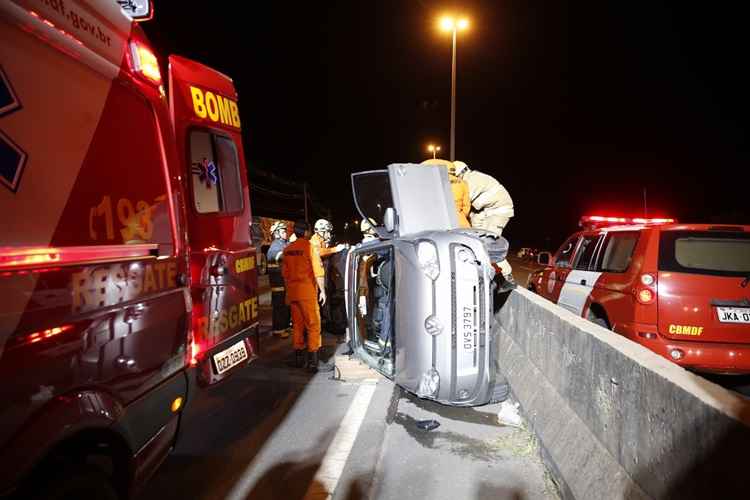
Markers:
<point>315,365</point>
<point>299,359</point>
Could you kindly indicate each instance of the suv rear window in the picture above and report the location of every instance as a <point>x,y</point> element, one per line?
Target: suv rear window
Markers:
<point>617,252</point>
<point>215,173</point>
<point>705,252</point>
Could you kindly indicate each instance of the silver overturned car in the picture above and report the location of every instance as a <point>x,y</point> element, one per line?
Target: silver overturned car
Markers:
<point>420,298</point>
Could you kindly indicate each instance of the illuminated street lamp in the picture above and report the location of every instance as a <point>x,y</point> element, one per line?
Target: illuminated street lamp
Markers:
<point>454,25</point>
<point>433,149</point>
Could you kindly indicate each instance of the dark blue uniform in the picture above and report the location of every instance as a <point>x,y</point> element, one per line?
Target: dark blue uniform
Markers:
<point>281,313</point>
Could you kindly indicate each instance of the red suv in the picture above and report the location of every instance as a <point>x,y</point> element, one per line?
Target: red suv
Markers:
<point>679,289</point>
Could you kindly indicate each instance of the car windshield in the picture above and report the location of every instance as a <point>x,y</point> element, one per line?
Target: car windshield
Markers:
<point>372,194</point>
<point>705,252</point>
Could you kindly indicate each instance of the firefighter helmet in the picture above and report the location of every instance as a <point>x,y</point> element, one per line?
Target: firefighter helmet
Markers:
<point>460,168</point>
<point>277,226</point>
<point>322,225</point>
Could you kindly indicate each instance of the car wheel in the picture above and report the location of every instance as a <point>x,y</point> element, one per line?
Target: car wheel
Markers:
<point>501,391</point>
<point>75,483</point>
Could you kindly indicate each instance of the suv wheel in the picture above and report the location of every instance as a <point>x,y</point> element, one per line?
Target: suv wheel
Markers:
<point>75,483</point>
<point>599,318</point>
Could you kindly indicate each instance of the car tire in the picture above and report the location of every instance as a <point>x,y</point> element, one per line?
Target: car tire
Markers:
<point>74,483</point>
<point>501,391</point>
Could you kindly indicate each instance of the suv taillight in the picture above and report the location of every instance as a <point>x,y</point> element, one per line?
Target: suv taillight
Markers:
<point>646,290</point>
<point>144,63</point>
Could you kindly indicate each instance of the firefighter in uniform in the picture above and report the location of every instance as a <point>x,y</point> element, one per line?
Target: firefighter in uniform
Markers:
<point>491,209</point>
<point>322,240</point>
<point>459,188</point>
<point>281,313</point>
<point>304,277</point>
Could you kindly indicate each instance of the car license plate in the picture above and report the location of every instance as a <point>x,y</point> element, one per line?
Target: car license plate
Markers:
<point>733,314</point>
<point>230,357</point>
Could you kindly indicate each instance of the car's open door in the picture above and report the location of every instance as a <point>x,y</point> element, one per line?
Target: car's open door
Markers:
<point>418,196</point>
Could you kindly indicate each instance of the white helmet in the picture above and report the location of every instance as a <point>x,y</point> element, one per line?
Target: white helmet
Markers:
<point>461,168</point>
<point>322,225</point>
<point>277,226</point>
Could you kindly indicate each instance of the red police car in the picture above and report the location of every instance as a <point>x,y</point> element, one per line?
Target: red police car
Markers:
<point>679,289</point>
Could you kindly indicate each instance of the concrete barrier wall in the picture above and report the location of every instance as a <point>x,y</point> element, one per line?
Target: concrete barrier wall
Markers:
<point>616,420</point>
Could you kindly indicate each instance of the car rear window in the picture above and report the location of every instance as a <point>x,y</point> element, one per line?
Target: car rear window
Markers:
<point>215,173</point>
<point>617,251</point>
<point>716,253</point>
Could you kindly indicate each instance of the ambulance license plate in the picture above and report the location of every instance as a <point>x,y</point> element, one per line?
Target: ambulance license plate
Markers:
<point>733,314</point>
<point>230,357</point>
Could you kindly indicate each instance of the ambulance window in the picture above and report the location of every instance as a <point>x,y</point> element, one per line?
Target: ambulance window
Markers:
<point>215,175</point>
<point>562,257</point>
<point>585,253</point>
<point>117,193</point>
<point>617,252</point>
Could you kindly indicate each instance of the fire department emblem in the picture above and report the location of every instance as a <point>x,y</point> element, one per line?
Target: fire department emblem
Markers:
<point>12,157</point>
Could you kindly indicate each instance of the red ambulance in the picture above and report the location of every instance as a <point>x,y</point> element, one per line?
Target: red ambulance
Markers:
<point>127,273</point>
<point>679,289</point>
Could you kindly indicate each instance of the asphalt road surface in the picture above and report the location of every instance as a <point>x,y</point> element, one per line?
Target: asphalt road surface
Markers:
<point>273,431</point>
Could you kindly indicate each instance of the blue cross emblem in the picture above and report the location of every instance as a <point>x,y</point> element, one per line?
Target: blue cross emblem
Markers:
<point>12,157</point>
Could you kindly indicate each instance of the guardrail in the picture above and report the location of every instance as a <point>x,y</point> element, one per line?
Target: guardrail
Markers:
<point>614,419</point>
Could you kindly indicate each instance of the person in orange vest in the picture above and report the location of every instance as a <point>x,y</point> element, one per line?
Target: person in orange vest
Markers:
<point>322,239</point>
<point>304,277</point>
<point>459,188</point>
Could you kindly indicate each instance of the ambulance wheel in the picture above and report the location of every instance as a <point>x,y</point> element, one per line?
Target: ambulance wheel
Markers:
<point>74,483</point>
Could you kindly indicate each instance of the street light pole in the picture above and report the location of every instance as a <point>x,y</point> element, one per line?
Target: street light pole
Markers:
<point>453,98</point>
<point>454,26</point>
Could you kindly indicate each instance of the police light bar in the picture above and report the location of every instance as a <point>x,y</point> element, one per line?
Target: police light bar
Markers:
<point>593,221</point>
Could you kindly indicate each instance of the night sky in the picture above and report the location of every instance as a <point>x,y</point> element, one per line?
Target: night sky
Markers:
<point>575,107</point>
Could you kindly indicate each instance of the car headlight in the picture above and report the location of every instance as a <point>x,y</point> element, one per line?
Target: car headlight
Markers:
<point>428,259</point>
<point>429,384</point>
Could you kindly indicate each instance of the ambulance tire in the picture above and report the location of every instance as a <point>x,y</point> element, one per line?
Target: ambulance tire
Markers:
<point>76,482</point>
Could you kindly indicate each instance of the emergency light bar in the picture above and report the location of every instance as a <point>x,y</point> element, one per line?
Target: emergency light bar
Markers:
<point>594,221</point>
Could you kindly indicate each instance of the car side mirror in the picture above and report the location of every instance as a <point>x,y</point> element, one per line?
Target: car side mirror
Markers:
<point>544,258</point>
<point>389,219</point>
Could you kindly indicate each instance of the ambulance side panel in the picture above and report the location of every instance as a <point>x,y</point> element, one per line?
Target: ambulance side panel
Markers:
<point>223,266</point>
<point>94,312</point>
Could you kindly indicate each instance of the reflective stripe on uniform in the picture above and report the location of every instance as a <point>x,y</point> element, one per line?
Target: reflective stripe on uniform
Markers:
<point>272,266</point>
<point>277,288</point>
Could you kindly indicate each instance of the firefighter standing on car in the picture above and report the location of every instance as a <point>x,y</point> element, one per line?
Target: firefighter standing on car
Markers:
<point>304,277</point>
<point>459,188</point>
<point>281,313</point>
<point>491,208</point>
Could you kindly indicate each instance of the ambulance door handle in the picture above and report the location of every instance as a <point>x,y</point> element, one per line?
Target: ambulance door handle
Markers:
<point>583,282</point>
